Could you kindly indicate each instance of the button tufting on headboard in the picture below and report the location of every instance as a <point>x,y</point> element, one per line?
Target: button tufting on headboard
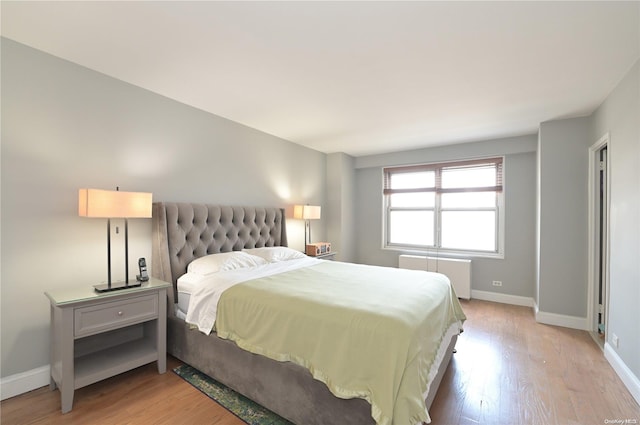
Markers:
<point>185,231</point>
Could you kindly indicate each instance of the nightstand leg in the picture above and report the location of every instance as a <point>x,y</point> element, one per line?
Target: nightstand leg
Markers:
<point>161,331</point>
<point>66,399</point>
<point>52,346</point>
<point>67,378</point>
<point>162,365</point>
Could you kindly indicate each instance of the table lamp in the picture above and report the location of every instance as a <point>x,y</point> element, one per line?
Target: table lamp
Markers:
<point>115,204</point>
<point>306,213</point>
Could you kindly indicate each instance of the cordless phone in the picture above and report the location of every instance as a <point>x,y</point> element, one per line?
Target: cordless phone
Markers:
<point>142,265</point>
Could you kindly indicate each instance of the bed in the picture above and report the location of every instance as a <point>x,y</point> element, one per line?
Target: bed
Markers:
<point>187,234</point>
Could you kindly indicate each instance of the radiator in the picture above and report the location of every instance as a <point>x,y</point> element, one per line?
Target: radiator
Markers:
<point>458,271</point>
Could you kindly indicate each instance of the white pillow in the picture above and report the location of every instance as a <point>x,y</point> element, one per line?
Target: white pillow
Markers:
<point>274,254</point>
<point>224,261</point>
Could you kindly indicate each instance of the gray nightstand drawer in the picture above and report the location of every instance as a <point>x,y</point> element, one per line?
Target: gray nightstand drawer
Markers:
<point>113,315</point>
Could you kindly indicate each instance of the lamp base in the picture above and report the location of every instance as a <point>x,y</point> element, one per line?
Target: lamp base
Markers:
<point>115,286</point>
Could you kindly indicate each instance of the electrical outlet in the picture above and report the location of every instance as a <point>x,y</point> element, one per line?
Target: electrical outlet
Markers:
<point>615,341</point>
<point>497,283</point>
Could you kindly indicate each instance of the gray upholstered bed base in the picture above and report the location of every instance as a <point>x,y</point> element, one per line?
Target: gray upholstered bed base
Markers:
<point>183,232</point>
<point>283,387</point>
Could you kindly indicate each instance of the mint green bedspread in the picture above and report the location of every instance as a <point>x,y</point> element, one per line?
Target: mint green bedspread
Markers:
<point>365,331</point>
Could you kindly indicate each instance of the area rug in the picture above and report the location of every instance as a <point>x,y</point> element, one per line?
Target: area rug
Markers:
<point>250,412</point>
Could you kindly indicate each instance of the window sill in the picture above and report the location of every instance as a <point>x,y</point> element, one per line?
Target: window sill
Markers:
<point>445,253</point>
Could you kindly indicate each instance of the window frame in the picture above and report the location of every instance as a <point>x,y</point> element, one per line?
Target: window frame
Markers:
<point>436,249</point>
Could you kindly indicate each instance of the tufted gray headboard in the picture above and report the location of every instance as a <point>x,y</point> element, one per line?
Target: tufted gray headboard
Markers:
<point>183,232</point>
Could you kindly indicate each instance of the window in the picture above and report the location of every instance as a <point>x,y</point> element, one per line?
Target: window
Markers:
<point>453,206</point>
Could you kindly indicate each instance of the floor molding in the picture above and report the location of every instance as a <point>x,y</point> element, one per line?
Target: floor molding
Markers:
<point>502,298</point>
<point>554,319</point>
<point>626,375</point>
<point>573,322</point>
<point>21,383</point>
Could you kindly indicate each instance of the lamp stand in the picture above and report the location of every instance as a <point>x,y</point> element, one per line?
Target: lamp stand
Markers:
<point>109,252</point>
<point>126,251</point>
<point>114,286</point>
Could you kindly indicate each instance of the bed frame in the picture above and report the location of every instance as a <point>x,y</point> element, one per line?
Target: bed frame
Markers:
<point>183,232</point>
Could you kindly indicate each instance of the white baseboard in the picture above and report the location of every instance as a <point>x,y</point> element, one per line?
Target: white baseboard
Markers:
<point>628,378</point>
<point>502,298</point>
<point>541,317</point>
<point>573,322</point>
<point>20,383</point>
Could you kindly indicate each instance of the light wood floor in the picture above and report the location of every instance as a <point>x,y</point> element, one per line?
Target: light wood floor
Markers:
<point>508,370</point>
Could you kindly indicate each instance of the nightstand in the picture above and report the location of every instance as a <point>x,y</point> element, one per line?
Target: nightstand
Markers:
<point>95,336</point>
<point>328,256</point>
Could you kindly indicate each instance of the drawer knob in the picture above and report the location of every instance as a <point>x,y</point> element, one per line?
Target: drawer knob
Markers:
<point>120,313</point>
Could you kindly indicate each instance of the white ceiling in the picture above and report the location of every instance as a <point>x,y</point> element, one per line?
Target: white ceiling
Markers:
<point>354,77</point>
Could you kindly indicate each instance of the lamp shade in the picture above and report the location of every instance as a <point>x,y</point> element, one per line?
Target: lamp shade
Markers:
<point>114,204</point>
<point>306,212</point>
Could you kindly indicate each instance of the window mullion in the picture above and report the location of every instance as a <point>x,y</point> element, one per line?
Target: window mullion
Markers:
<point>470,209</point>
<point>411,209</point>
<point>438,211</point>
<point>497,233</point>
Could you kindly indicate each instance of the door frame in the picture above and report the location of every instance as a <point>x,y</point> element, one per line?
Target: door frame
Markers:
<point>593,188</point>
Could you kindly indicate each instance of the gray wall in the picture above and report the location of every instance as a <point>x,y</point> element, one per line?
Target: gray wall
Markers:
<point>619,116</point>
<point>517,269</point>
<point>65,127</point>
<point>563,165</point>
